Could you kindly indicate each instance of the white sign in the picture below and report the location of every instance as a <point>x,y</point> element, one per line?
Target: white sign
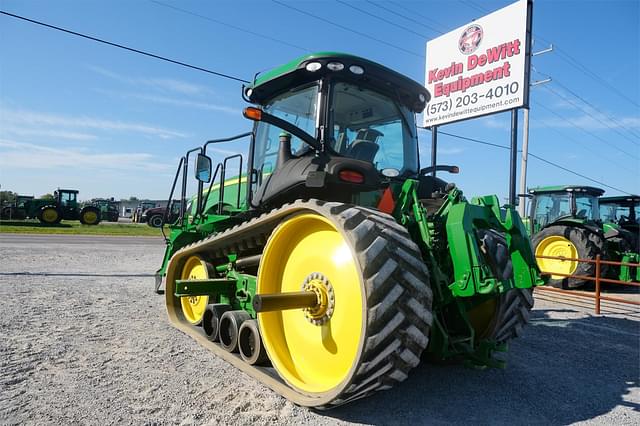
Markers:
<point>480,68</point>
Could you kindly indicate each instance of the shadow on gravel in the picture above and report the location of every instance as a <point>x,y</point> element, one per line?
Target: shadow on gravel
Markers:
<point>561,371</point>
<point>33,224</point>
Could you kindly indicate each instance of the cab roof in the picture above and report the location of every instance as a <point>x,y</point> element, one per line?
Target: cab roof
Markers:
<point>592,190</point>
<point>295,73</point>
<point>620,199</point>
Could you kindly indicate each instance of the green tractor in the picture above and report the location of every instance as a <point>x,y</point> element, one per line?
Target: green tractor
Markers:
<point>622,211</point>
<point>109,208</point>
<point>16,210</point>
<point>331,265</point>
<point>64,205</point>
<point>564,221</point>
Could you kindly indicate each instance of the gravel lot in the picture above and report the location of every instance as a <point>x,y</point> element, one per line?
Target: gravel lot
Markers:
<point>83,340</point>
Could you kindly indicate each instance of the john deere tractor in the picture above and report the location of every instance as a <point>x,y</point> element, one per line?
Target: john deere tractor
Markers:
<point>109,208</point>
<point>622,211</point>
<point>331,265</point>
<point>64,205</point>
<point>565,222</point>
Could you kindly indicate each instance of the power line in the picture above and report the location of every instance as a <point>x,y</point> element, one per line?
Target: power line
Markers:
<point>594,108</point>
<point>399,5</point>
<point>572,123</point>
<point>544,160</point>
<point>244,30</point>
<point>598,154</point>
<point>130,49</point>
<point>475,6</point>
<point>404,16</point>
<point>288,6</point>
<point>581,67</point>
<point>382,19</point>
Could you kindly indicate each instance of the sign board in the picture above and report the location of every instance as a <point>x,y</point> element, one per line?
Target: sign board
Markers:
<point>480,68</point>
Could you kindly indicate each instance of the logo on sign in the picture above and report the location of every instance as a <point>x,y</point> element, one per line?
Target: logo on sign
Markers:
<point>470,39</point>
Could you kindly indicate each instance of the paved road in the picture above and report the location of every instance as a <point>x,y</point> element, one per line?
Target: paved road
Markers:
<point>13,239</point>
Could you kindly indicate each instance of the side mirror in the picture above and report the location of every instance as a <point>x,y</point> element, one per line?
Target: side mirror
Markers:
<point>203,168</point>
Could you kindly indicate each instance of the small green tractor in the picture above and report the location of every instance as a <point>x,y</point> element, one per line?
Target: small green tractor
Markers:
<point>622,211</point>
<point>564,221</point>
<point>333,264</point>
<point>63,206</point>
<point>109,208</point>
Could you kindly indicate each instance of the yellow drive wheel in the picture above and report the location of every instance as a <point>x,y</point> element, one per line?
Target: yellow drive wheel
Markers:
<point>557,246</point>
<point>89,217</point>
<point>195,268</point>
<point>50,215</point>
<point>313,351</point>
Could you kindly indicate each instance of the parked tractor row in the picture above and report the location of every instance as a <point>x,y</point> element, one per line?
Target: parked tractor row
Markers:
<point>577,222</point>
<point>63,206</point>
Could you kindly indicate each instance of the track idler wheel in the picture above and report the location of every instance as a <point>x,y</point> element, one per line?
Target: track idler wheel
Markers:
<point>211,319</point>
<point>250,343</point>
<point>230,323</point>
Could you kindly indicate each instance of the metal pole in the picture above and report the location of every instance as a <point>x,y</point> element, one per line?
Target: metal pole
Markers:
<point>598,284</point>
<point>434,149</point>
<point>523,162</point>
<point>514,156</point>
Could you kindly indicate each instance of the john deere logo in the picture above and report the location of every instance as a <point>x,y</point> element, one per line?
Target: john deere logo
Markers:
<point>470,39</point>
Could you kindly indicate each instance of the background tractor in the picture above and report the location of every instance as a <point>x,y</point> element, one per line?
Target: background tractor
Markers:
<point>64,206</point>
<point>565,221</point>
<point>109,208</point>
<point>331,265</point>
<point>622,211</point>
<point>156,217</point>
<point>139,211</point>
<point>16,210</point>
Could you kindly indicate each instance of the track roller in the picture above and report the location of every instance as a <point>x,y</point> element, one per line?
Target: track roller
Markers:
<point>250,343</point>
<point>230,323</point>
<point>211,319</point>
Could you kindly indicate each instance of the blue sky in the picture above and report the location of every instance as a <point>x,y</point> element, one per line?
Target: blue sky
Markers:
<point>74,113</point>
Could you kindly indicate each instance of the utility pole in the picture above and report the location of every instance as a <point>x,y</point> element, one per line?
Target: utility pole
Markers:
<point>525,142</point>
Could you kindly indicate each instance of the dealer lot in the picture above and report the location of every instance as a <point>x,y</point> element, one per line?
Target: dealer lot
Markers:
<point>83,339</point>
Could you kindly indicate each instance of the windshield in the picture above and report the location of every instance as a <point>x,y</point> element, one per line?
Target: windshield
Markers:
<point>617,213</point>
<point>298,107</point>
<point>372,127</point>
<point>549,207</point>
<point>587,207</point>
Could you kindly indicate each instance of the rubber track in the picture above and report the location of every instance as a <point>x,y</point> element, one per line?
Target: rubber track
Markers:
<point>396,283</point>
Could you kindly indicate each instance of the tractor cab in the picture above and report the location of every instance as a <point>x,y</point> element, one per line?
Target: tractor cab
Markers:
<point>554,204</point>
<point>67,200</point>
<point>349,130</point>
<point>622,210</point>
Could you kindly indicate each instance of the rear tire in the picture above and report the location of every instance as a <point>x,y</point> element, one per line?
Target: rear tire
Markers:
<point>567,241</point>
<point>90,216</point>
<point>49,215</point>
<point>155,221</point>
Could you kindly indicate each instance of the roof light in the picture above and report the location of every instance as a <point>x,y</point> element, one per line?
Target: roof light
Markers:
<point>422,98</point>
<point>356,69</point>
<point>335,66</point>
<point>248,92</point>
<point>313,66</point>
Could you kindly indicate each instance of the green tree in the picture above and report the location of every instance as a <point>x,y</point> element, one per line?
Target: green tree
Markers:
<point>7,197</point>
<point>47,197</point>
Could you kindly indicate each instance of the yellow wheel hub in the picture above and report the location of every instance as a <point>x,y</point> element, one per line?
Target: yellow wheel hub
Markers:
<point>50,215</point>
<point>193,306</point>
<point>558,246</point>
<point>308,252</point>
<point>90,217</point>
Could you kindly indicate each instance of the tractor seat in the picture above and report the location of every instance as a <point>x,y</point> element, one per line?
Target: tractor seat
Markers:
<point>431,193</point>
<point>363,150</point>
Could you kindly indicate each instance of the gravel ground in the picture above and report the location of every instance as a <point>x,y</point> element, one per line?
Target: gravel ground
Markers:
<point>83,340</point>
